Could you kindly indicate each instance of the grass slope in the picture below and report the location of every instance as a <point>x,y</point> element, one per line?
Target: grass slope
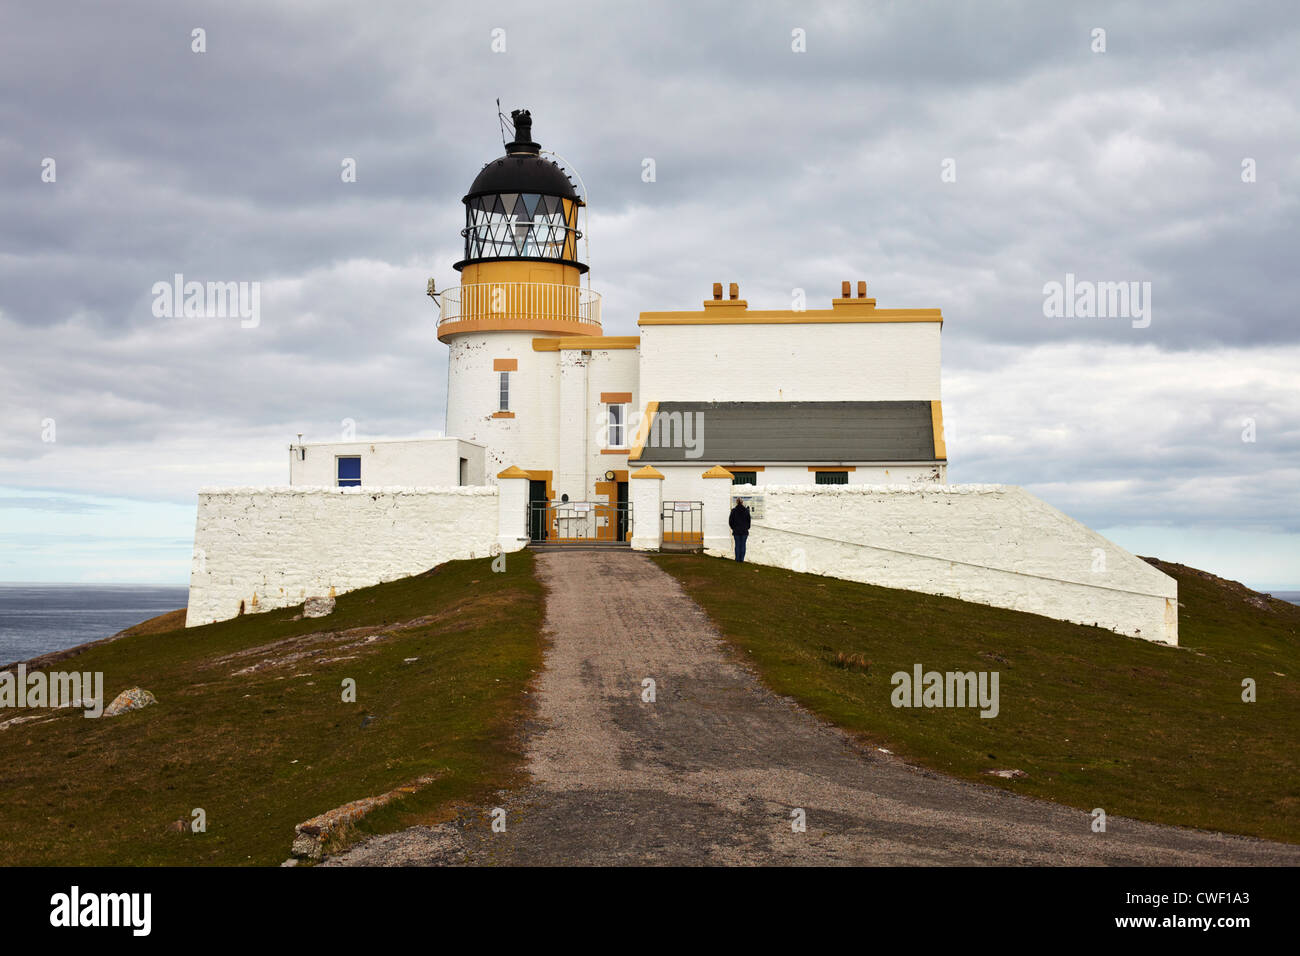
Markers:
<point>1095,719</point>
<point>265,750</point>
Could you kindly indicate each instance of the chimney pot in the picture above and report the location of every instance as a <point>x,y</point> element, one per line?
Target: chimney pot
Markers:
<point>844,289</point>
<point>862,290</point>
<point>717,290</point>
<point>734,290</point>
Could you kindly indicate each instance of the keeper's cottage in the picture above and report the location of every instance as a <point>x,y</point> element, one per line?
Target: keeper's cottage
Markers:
<point>827,421</point>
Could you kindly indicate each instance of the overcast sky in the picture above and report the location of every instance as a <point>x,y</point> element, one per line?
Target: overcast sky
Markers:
<point>774,168</point>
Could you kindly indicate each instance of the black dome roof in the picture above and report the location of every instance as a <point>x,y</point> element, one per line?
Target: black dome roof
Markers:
<point>522,173</point>
<point>522,169</point>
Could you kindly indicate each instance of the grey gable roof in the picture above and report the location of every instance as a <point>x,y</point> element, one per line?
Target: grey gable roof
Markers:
<point>799,432</point>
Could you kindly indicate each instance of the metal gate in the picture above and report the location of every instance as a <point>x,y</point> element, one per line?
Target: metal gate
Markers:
<point>579,522</point>
<point>682,526</point>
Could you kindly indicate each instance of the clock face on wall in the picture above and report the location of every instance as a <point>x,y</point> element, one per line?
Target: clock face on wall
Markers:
<point>609,476</point>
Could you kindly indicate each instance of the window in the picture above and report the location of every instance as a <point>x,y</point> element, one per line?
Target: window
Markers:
<point>349,472</point>
<point>744,477</point>
<point>616,416</point>
<point>832,477</point>
<point>506,225</point>
<point>504,404</point>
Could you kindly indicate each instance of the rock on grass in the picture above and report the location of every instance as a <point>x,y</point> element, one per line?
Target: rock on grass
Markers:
<point>132,699</point>
<point>318,607</point>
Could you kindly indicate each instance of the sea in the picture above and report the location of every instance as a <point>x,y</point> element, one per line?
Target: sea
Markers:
<point>38,618</point>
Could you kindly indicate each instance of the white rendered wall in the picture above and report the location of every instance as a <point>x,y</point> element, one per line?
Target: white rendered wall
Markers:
<point>583,433</point>
<point>864,474</point>
<point>274,547</point>
<point>681,481</point>
<point>644,494</point>
<point>869,361</point>
<point>575,437</point>
<point>610,370</point>
<point>529,440</point>
<point>990,544</point>
<point>418,462</point>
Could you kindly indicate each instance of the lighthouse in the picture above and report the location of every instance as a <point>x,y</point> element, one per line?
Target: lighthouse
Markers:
<point>826,422</point>
<point>521,279</point>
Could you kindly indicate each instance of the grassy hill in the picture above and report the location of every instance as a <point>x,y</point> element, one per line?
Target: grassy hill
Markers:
<point>250,725</point>
<point>1093,718</point>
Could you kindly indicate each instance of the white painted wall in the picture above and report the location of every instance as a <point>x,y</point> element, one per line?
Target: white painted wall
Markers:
<point>274,547</point>
<point>990,544</point>
<point>555,397</point>
<point>866,473</point>
<point>416,462</point>
<point>512,514</point>
<point>681,482</point>
<point>575,434</point>
<point>877,361</point>
<point>609,370</point>
<point>645,495</point>
<point>530,439</point>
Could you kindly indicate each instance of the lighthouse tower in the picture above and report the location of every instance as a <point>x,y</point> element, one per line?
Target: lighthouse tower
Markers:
<point>520,279</point>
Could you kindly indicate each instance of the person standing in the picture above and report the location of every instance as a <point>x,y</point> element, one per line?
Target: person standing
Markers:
<point>739,522</point>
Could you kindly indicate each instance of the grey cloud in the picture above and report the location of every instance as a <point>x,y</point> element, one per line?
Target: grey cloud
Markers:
<point>776,170</point>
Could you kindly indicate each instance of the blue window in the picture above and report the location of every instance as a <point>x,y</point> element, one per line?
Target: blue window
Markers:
<point>349,474</point>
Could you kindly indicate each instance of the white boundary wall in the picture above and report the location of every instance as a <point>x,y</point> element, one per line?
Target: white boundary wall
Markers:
<point>273,547</point>
<point>990,544</point>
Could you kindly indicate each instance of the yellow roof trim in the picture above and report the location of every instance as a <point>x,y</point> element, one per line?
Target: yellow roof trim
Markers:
<point>775,317</point>
<point>648,471</point>
<point>587,342</point>
<point>514,471</point>
<point>643,431</point>
<point>936,424</point>
<point>717,471</point>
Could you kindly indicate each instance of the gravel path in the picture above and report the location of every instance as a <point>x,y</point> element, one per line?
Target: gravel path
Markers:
<point>710,772</point>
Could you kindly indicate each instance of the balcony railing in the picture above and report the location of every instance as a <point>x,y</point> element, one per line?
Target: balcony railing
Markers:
<point>551,301</point>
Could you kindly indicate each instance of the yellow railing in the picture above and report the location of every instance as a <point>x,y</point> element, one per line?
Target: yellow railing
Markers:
<point>526,300</point>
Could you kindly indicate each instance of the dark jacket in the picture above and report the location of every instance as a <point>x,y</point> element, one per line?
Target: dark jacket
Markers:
<point>739,520</point>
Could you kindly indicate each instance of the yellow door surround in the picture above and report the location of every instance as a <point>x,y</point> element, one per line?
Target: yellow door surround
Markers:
<point>609,511</point>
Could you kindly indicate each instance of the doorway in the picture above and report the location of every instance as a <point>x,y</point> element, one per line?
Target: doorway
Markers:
<point>537,510</point>
<point>621,513</point>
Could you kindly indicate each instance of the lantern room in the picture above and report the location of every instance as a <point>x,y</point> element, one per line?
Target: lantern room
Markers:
<point>521,266</point>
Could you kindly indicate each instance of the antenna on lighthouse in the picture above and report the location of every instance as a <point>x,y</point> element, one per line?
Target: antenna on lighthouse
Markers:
<point>501,122</point>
